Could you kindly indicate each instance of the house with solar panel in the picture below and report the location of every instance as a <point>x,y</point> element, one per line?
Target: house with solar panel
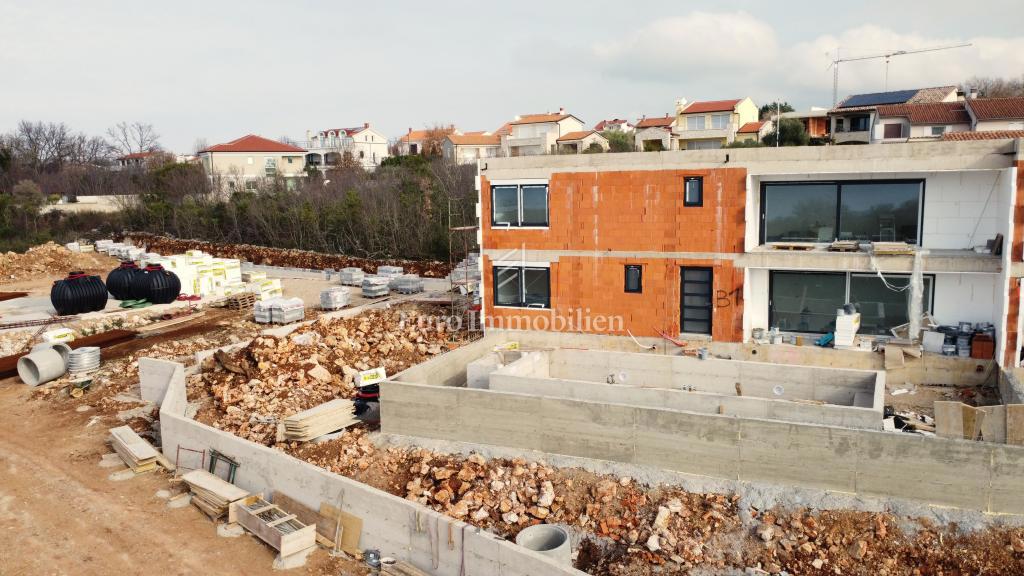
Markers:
<point>853,120</point>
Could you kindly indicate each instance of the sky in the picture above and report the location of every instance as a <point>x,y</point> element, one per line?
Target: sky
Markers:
<point>220,69</point>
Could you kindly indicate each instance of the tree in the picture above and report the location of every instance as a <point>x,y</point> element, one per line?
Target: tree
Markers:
<point>133,138</point>
<point>594,148</point>
<point>990,87</point>
<point>743,144</point>
<point>433,141</point>
<point>792,133</point>
<point>619,140</point>
<point>768,110</point>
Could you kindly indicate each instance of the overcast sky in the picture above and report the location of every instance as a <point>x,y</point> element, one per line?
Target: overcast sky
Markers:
<point>220,69</point>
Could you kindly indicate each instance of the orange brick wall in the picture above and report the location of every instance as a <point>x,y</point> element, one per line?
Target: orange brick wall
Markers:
<point>630,211</point>
<point>1016,255</point>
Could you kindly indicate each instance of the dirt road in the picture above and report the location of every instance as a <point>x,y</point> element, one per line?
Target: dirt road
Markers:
<point>61,514</point>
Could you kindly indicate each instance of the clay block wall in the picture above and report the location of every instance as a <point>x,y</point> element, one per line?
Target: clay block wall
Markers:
<point>1016,255</point>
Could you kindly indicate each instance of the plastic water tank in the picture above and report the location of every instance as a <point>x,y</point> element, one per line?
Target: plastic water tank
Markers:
<point>157,285</point>
<point>78,293</point>
<point>119,281</point>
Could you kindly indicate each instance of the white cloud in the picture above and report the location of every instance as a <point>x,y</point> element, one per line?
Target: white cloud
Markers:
<point>699,44</point>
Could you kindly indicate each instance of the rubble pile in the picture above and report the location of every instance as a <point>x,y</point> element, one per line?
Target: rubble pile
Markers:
<point>45,260</point>
<point>284,257</point>
<point>258,386</point>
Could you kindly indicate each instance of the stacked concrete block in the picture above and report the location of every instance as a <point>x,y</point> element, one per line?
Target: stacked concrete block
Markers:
<point>389,271</point>
<point>406,284</point>
<point>334,298</point>
<point>287,310</point>
<point>351,276</point>
<point>262,313</point>
<point>375,286</point>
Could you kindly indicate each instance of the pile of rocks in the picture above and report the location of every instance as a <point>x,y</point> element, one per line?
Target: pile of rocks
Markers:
<point>40,261</point>
<point>258,386</point>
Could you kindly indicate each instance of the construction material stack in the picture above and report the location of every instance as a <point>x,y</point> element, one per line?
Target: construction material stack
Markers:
<point>351,276</point>
<point>262,311</point>
<point>323,419</point>
<point>847,325</point>
<point>406,284</point>
<point>389,271</point>
<point>211,494</point>
<point>334,298</point>
<point>287,310</point>
<point>136,453</point>
<point>375,286</point>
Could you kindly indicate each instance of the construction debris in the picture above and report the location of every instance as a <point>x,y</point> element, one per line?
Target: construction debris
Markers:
<point>136,453</point>
<point>278,528</point>
<point>211,494</point>
<point>315,422</point>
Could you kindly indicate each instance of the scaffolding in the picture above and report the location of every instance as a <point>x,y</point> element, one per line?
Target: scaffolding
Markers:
<point>462,285</point>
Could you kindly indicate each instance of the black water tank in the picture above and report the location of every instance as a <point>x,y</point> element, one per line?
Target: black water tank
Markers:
<point>157,285</point>
<point>78,293</point>
<point>119,281</point>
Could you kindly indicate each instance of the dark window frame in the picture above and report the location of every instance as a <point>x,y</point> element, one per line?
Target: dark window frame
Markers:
<point>700,191</point>
<point>763,232</point>
<point>710,294</point>
<point>521,303</point>
<point>929,306</point>
<point>519,223</point>
<point>639,278</point>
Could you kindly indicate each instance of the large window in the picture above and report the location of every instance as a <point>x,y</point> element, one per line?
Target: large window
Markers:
<point>519,205</point>
<point>860,123</point>
<point>808,301</point>
<point>720,121</point>
<point>695,307</point>
<point>870,211</point>
<point>522,286</point>
<point>703,144</point>
<point>695,122</point>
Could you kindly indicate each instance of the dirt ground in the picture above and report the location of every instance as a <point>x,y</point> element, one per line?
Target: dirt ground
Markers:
<point>61,514</point>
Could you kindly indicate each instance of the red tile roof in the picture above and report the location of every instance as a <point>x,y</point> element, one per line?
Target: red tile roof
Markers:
<point>136,156</point>
<point>417,135</point>
<point>346,131</point>
<point>656,122</point>
<point>539,118</point>
<point>984,135</point>
<point>711,106</point>
<point>997,108</point>
<point>253,143</point>
<point>505,129</point>
<point>605,124</point>
<point>750,128</point>
<point>573,136</point>
<point>932,113</point>
<point>475,139</point>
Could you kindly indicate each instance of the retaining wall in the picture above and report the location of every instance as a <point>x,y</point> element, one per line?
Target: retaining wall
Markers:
<point>964,474</point>
<point>397,527</point>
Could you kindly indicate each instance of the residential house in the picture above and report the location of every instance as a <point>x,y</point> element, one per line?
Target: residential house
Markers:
<point>815,120</point>
<point>242,163</point>
<point>133,160</point>
<point>472,146</point>
<point>685,247</point>
<point>421,141</point>
<point>654,134</point>
<point>535,134</point>
<point>928,121</point>
<point>614,125</point>
<point>362,144</point>
<point>711,124</point>
<point>853,119</point>
<point>754,131</point>
<point>996,113</point>
<point>582,141</point>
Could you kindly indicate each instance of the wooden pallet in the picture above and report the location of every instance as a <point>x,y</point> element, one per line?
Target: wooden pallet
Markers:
<point>844,246</point>
<point>793,246</point>
<point>240,301</point>
<point>892,249</point>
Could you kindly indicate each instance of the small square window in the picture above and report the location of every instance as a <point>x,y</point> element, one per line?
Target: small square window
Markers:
<point>693,191</point>
<point>634,278</point>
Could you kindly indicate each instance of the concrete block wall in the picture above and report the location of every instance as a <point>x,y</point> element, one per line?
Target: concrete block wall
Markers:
<point>397,527</point>
<point>973,475</point>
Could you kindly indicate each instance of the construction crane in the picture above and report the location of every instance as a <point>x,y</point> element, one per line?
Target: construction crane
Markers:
<point>887,56</point>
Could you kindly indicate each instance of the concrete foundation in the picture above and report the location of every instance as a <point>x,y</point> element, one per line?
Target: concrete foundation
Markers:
<point>397,527</point>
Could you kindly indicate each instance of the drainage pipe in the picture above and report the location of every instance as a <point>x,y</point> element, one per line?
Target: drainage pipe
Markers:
<point>62,348</point>
<point>549,540</point>
<point>41,366</point>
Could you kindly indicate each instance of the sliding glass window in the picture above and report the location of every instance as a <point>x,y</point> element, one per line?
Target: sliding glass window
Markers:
<point>522,286</point>
<point>519,205</point>
<point>880,211</point>
<point>883,308</point>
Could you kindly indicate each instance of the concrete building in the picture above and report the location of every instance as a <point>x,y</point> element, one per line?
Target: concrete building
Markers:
<point>133,160</point>
<point>363,145</point>
<point>536,134</point>
<point>471,146</point>
<point>655,134</point>
<point>853,119</point>
<point>711,124</point>
<point>685,244</point>
<point>582,141</point>
<point>243,162</point>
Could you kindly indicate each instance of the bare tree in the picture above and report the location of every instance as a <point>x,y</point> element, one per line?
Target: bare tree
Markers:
<point>434,139</point>
<point>991,87</point>
<point>133,138</point>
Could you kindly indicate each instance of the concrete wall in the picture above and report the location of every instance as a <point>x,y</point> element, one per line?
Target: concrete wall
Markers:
<point>397,527</point>
<point>972,475</point>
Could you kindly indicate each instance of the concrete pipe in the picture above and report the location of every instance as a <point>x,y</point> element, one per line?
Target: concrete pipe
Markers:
<point>62,348</point>
<point>41,366</point>
<point>551,541</point>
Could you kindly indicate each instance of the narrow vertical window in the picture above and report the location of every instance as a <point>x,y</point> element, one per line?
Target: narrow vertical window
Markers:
<point>693,193</point>
<point>634,278</point>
